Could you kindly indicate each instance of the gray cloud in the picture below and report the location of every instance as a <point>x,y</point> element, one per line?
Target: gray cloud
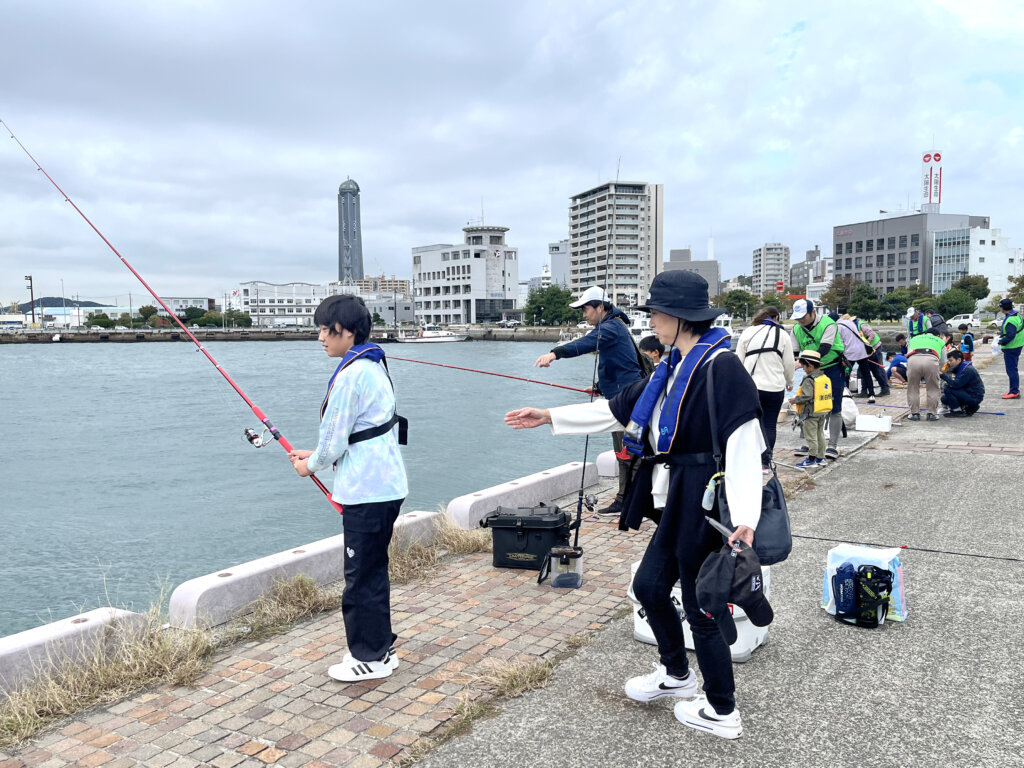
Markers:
<point>207,140</point>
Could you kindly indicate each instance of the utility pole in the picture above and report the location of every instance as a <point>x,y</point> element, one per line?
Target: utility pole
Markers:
<point>32,297</point>
<point>64,305</point>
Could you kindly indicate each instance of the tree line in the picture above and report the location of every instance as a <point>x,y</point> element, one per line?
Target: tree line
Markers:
<point>148,315</point>
<point>846,295</point>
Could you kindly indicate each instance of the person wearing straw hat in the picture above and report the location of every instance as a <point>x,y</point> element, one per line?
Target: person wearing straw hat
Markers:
<point>667,422</point>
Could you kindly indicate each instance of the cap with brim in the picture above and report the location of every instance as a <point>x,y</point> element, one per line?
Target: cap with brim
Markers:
<point>682,294</point>
<point>735,577</point>
<point>910,311</point>
<point>593,293</point>
<point>801,308</point>
<point>1006,304</point>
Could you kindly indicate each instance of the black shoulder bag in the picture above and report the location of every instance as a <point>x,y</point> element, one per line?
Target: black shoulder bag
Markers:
<point>773,537</point>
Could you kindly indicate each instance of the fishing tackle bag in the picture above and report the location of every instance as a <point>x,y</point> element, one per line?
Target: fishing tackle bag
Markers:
<point>840,595</point>
<point>523,536</point>
<point>862,594</point>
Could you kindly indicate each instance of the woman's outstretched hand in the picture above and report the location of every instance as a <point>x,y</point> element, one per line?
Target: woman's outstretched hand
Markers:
<point>527,418</point>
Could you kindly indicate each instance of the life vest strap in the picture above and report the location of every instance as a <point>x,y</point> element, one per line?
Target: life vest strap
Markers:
<point>383,429</point>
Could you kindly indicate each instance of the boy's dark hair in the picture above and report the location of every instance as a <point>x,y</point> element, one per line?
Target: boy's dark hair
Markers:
<point>901,337</point>
<point>962,327</point>
<point>347,311</point>
<point>955,353</point>
<point>651,344</point>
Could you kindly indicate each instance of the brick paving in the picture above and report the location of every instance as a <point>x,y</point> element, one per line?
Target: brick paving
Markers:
<point>271,703</point>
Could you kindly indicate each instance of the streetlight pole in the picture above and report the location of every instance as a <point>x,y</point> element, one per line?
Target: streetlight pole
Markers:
<point>32,297</point>
<point>64,305</point>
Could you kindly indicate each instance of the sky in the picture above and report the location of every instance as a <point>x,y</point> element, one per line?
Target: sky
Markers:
<point>206,139</point>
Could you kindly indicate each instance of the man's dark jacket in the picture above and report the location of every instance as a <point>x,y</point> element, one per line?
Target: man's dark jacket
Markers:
<point>617,365</point>
<point>967,382</point>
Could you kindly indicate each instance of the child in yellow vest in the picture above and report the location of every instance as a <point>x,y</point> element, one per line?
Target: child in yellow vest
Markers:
<point>813,403</point>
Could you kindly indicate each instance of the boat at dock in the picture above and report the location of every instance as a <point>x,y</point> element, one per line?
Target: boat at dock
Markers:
<point>434,334</point>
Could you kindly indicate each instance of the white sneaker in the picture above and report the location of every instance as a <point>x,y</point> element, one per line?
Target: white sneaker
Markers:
<point>701,716</point>
<point>351,670</point>
<point>942,410</point>
<point>659,683</point>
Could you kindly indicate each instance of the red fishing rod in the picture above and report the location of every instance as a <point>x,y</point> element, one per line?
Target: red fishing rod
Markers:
<point>490,373</point>
<point>250,435</point>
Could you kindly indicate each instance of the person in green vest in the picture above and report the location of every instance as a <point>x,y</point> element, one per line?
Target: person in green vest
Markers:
<point>917,322</point>
<point>815,330</point>
<point>1011,341</point>
<point>926,354</point>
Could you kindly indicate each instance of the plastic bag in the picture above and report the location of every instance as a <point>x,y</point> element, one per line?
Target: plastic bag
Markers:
<point>995,347</point>
<point>861,555</point>
<point>850,411</point>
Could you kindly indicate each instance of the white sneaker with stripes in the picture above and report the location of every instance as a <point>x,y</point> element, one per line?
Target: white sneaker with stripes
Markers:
<point>352,670</point>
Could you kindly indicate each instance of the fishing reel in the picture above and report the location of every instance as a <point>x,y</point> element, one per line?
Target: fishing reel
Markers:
<point>257,440</point>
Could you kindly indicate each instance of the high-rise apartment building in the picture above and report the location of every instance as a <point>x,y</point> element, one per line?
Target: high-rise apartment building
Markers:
<point>473,282</point>
<point>615,239</point>
<point>771,266</point>
<point>350,233</point>
<point>896,251</point>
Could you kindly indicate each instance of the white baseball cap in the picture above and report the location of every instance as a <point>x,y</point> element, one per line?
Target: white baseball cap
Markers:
<point>593,293</point>
<point>910,311</point>
<point>802,308</point>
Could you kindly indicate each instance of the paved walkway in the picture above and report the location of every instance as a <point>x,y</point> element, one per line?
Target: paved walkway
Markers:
<point>942,688</point>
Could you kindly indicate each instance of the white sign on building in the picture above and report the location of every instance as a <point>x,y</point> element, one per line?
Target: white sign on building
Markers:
<point>931,181</point>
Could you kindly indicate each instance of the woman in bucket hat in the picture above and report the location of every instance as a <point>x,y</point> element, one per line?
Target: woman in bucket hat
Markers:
<point>667,421</point>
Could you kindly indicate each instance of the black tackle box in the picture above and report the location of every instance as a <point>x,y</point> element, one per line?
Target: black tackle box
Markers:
<point>524,536</point>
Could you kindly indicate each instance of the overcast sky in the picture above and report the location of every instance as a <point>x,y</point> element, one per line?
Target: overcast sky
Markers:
<point>207,139</point>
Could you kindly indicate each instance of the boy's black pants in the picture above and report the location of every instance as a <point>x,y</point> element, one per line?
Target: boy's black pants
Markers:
<point>366,604</point>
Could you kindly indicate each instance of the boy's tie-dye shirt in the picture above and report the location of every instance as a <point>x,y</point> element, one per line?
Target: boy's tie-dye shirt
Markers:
<point>372,470</point>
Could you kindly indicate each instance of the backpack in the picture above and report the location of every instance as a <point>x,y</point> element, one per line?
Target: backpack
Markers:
<point>822,395</point>
<point>822,402</point>
<point>862,594</point>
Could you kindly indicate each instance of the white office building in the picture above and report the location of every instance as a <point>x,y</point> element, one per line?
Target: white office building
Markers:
<point>541,281</point>
<point>285,304</point>
<point>615,239</point>
<point>179,304</point>
<point>965,251</point>
<point>474,281</point>
<point>771,266</point>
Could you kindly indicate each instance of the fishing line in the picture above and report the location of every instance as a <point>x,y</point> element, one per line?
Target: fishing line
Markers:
<point>492,373</point>
<point>253,438</point>
<point>912,549</point>
<point>905,407</point>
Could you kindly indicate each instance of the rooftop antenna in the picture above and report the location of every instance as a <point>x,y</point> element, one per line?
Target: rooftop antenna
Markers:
<point>618,165</point>
<point>481,210</point>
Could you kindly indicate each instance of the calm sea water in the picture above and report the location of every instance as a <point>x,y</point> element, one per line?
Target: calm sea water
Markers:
<point>124,469</point>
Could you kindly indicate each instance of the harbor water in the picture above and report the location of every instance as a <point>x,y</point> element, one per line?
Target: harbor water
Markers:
<point>125,471</point>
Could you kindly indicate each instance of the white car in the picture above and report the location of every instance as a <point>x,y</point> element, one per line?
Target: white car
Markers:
<point>584,324</point>
<point>969,320</point>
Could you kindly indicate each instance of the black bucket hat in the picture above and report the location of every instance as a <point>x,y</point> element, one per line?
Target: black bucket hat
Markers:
<point>729,576</point>
<point>681,294</point>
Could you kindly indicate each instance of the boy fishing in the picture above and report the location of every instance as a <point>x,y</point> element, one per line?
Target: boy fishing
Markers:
<point>814,403</point>
<point>358,439</point>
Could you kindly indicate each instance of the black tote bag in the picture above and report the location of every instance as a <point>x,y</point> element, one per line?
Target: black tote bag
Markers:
<point>773,537</point>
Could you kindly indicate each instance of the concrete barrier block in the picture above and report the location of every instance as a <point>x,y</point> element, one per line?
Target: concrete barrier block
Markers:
<point>33,653</point>
<point>469,510</point>
<point>607,464</point>
<point>217,598</point>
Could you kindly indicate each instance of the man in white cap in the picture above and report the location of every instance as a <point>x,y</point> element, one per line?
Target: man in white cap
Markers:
<point>618,364</point>
<point>917,322</point>
<point>815,330</point>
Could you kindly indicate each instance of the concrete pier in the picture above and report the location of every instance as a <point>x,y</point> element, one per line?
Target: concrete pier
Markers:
<point>942,688</point>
